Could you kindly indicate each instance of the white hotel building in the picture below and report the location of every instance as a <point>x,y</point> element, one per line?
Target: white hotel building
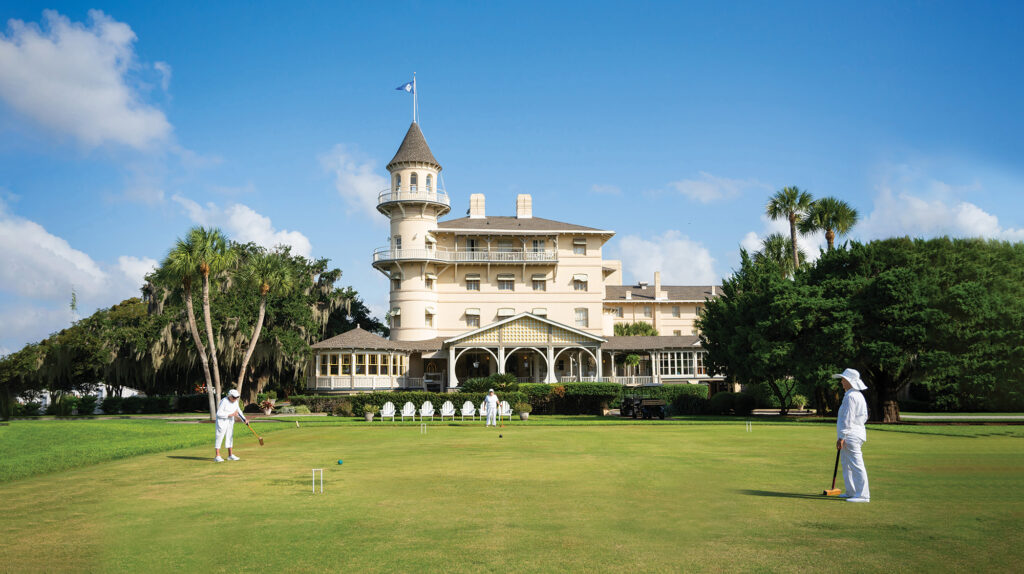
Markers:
<point>516,294</point>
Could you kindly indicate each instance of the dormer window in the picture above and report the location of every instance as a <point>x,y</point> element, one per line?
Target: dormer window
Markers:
<point>413,181</point>
<point>398,182</point>
<point>430,183</point>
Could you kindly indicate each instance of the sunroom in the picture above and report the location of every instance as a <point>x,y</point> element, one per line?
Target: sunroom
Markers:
<point>359,361</point>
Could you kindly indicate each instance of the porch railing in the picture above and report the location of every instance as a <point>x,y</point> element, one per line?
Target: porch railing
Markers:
<point>358,383</point>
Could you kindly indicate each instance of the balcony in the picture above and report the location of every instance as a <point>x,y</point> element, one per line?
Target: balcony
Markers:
<point>387,254</point>
<point>389,196</point>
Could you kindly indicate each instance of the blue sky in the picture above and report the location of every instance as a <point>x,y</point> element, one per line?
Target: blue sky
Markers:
<point>123,124</point>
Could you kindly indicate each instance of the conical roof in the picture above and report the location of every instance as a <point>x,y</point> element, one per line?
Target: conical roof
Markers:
<point>414,148</point>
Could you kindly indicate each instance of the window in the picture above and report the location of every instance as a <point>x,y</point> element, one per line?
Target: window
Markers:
<point>471,244</point>
<point>677,333</point>
<point>540,285</point>
<point>472,320</point>
<point>579,285</point>
<point>397,240</point>
<point>678,363</point>
<point>701,369</point>
<point>323,365</point>
<point>506,312</point>
<point>360,364</point>
<point>647,310</point>
<point>396,284</point>
<point>505,245</point>
<point>429,282</point>
<point>384,368</point>
<point>582,317</point>
<point>698,310</point>
<point>396,321</point>
<point>579,246</point>
<point>413,181</point>
<point>430,183</point>
<point>428,319</point>
<point>617,311</point>
<point>334,365</point>
<point>371,364</point>
<point>506,282</point>
<point>675,310</point>
<point>541,312</point>
<point>346,364</point>
<point>472,282</point>
<point>398,181</point>
<point>538,245</point>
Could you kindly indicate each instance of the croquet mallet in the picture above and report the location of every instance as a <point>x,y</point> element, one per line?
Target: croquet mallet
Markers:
<point>830,492</point>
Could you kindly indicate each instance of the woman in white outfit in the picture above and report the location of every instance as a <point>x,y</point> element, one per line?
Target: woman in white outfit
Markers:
<point>227,411</point>
<point>491,400</point>
<point>850,435</point>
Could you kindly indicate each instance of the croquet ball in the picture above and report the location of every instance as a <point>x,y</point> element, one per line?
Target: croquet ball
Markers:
<point>499,436</point>
<point>340,461</point>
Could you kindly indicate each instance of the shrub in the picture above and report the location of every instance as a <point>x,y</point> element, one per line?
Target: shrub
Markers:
<point>87,405</point>
<point>112,405</point>
<point>158,404</point>
<point>288,410</point>
<point>686,399</point>
<point>799,402</point>
<point>743,404</point>
<point>522,407</point>
<point>193,403</point>
<point>500,382</point>
<point>132,405</point>
<point>721,403</point>
<point>372,409</point>
<point>252,408</point>
<point>62,406</point>
<point>342,408</point>
<point>570,398</point>
<point>301,410</point>
<point>29,409</point>
<point>267,405</point>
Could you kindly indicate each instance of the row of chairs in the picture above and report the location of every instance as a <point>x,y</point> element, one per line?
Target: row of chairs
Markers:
<point>447,410</point>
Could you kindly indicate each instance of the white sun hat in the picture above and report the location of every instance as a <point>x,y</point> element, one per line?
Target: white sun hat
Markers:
<point>852,376</point>
<point>233,393</point>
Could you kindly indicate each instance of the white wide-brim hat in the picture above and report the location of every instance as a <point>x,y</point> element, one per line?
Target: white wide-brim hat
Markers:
<point>490,390</point>
<point>233,393</point>
<point>852,376</point>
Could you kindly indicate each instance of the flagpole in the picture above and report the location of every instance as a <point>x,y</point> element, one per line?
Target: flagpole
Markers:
<point>415,115</point>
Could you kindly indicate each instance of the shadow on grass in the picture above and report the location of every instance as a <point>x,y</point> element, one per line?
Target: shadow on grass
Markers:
<point>772,494</point>
<point>202,458</point>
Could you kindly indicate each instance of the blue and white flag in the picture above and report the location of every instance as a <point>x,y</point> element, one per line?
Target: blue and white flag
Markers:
<point>409,87</point>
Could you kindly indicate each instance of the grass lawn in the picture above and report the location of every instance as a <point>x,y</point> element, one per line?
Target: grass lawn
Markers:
<point>547,498</point>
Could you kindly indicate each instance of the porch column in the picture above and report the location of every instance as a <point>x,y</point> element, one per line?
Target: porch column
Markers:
<point>452,381</point>
<point>352,372</point>
<point>391,370</point>
<point>551,365</point>
<point>654,376</point>
<point>501,360</point>
<point>599,358</point>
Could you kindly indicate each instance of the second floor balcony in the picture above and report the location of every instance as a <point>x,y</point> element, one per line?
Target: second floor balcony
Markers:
<point>415,194</point>
<point>385,254</point>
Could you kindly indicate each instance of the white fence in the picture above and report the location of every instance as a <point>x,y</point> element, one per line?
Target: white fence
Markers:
<point>359,383</point>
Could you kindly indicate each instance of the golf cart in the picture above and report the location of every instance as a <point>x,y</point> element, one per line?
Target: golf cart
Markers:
<point>638,402</point>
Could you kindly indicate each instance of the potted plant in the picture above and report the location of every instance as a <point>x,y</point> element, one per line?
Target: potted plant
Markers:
<point>267,406</point>
<point>371,410</point>
<point>524,410</point>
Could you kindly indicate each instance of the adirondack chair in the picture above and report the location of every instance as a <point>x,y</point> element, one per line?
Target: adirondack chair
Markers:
<point>505,410</point>
<point>468,410</point>
<point>483,410</point>
<point>409,410</point>
<point>447,410</point>
<point>388,411</point>
<point>427,410</point>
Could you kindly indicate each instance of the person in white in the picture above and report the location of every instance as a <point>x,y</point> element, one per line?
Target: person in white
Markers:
<point>228,410</point>
<point>491,400</point>
<point>850,435</point>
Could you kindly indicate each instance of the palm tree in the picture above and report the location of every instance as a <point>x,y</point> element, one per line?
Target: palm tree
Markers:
<point>266,273</point>
<point>790,203</point>
<point>775,249</point>
<point>214,255</point>
<point>831,215</point>
<point>180,268</point>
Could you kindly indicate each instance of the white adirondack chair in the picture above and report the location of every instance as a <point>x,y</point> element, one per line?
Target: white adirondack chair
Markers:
<point>468,410</point>
<point>427,410</point>
<point>409,410</point>
<point>447,410</point>
<point>483,410</point>
<point>505,410</point>
<point>388,411</point>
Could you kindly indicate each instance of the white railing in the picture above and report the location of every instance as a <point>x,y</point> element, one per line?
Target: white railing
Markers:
<point>633,381</point>
<point>357,383</point>
<point>471,256</point>
<point>390,195</point>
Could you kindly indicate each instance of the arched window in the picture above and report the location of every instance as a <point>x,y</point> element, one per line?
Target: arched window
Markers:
<point>430,183</point>
<point>413,181</point>
<point>398,182</point>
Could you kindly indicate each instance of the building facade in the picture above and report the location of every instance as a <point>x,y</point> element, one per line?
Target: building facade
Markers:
<point>518,294</point>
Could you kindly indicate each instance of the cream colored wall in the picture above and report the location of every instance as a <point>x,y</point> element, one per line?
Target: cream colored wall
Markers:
<point>661,316</point>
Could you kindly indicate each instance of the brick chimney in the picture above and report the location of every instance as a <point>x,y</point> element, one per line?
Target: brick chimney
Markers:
<point>524,206</point>
<point>476,206</point>
<point>657,286</point>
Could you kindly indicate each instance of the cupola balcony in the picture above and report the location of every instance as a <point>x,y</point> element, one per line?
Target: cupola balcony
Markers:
<point>512,256</point>
<point>389,198</point>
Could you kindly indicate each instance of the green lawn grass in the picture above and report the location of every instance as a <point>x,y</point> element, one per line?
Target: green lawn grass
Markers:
<point>545,498</point>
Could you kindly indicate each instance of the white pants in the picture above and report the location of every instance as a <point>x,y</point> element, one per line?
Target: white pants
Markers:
<point>855,474</point>
<point>225,432</point>
<point>491,414</point>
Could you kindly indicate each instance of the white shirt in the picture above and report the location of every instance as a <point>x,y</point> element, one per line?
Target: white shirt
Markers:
<point>853,413</point>
<point>492,401</point>
<point>227,408</point>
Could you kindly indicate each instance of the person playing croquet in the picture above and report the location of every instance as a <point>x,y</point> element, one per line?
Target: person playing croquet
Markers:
<point>228,410</point>
<point>491,402</point>
<point>851,434</point>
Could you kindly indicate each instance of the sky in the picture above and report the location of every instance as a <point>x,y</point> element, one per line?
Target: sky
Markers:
<point>124,124</point>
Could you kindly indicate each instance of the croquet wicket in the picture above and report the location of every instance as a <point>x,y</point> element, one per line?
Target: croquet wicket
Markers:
<point>423,428</point>
<point>321,471</point>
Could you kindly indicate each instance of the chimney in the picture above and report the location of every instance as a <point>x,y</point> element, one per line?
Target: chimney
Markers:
<point>657,285</point>
<point>713,291</point>
<point>524,206</point>
<point>476,206</point>
<point>629,295</point>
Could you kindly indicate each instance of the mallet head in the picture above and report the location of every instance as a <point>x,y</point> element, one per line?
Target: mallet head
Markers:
<point>830,492</point>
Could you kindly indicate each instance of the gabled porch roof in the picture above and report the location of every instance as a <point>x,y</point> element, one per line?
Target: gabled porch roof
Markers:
<point>529,320</point>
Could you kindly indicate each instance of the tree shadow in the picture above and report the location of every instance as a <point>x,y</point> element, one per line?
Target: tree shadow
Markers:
<point>772,494</point>
<point>202,458</point>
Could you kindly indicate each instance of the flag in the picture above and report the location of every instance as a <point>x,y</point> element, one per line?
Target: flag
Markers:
<point>409,87</point>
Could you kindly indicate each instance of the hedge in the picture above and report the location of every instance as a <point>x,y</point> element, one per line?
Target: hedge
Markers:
<point>570,398</point>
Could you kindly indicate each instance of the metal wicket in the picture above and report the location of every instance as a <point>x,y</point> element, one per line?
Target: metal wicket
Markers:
<point>423,428</point>
<point>321,471</point>
<point>750,426</point>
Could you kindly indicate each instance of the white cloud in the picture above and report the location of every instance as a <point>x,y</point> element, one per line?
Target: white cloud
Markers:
<point>135,269</point>
<point>74,79</point>
<point>681,260</point>
<point>244,225</point>
<point>903,213</point>
<point>606,189</point>
<point>24,323</point>
<point>708,188</point>
<point>165,74</point>
<point>356,179</point>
